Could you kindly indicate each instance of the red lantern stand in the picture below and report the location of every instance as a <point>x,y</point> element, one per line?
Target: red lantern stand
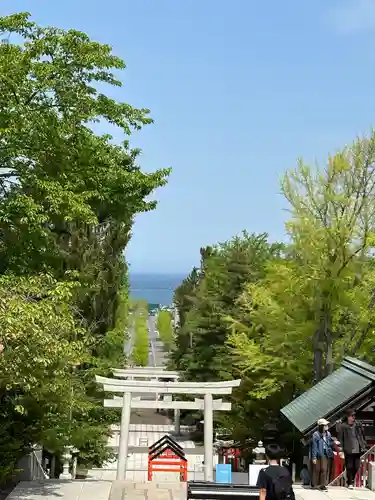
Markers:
<point>167,456</point>
<point>338,461</point>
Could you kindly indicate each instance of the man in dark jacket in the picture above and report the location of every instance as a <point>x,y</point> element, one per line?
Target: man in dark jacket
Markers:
<point>353,445</point>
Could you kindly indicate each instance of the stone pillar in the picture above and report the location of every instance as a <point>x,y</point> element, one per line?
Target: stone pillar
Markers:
<point>208,438</point>
<point>52,472</point>
<point>74,467</point>
<point>75,452</point>
<point>177,428</point>
<point>124,437</point>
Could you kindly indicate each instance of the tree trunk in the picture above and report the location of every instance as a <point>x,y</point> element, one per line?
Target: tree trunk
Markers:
<point>318,356</point>
<point>328,340</point>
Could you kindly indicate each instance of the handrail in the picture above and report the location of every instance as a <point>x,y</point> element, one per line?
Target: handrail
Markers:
<point>37,473</point>
<point>361,478</point>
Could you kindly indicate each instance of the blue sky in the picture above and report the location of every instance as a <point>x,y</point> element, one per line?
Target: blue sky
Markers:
<point>238,91</point>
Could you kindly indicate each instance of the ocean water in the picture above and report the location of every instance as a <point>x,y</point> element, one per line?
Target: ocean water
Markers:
<point>155,288</point>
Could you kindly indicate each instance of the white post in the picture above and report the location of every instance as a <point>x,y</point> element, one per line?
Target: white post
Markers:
<point>208,438</point>
<point>124,437</point>
<point>177,429</point>
<point>371,476</point>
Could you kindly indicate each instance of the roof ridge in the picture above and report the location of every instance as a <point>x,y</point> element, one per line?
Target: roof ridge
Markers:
<point>358,366</point>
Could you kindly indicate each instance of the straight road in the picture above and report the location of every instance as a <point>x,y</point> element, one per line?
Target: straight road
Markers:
<point>157,353</point>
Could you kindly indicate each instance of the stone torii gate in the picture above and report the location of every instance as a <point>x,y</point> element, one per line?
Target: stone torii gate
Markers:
<point>129,387</point>
<point>153,373</point>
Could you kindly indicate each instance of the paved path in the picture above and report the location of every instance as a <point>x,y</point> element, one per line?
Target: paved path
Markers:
<point>157,355</point>
<point>127,490</point>
<point>98,490</point>
<point>64,490</point>
<point>334,493</point>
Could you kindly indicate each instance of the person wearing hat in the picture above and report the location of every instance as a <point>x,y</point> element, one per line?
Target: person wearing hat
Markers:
<point>353,445</point>
<point>321,453</point>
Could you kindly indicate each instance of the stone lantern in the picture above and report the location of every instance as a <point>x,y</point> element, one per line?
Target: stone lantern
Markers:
<point>66,456</point>
<point>260,454</point>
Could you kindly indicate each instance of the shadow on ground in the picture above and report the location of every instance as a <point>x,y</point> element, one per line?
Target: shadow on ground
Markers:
<point>55,489</point>
<point>30,489</point>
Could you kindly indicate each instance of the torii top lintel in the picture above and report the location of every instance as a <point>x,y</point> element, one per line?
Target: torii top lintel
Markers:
<point>145,372</point>
<point>118,385</point>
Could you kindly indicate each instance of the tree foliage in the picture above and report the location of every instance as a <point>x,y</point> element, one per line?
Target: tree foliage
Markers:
<point>43,342</point>
<point>68,198</point>
<point>225,269</point>
<point>286,319</point>
<point>141,340</point>
<point>165,328</point>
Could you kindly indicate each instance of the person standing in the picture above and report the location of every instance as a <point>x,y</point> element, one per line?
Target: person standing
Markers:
<point>353,445</point>
<point>275,482</point>
<point>321,453</point>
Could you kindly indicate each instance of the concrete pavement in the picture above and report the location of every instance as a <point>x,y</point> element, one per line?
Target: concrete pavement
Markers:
<point>130,490</point>
<point>334,493</point>
<point>157,355</point>
<point>98,490</point>
<point>64,490</point>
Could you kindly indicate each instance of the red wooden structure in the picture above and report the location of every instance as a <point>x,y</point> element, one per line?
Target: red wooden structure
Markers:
<point>362,476</point>
<point>166,455</point>
<point>231,455</point>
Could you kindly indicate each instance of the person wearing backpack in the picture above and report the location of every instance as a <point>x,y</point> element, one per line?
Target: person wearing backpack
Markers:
<point>275,482</point>
<point>321,453</point>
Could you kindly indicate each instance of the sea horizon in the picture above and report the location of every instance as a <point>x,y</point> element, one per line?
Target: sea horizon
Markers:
<point>155,287</point>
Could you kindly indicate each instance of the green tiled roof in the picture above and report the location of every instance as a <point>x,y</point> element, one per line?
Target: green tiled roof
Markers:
<point>350,380</point>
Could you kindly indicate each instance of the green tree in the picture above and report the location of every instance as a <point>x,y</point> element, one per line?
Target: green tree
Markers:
<point>165,328</point>
<point>43,342</point>
<point>328,284</point>
<point>202,353</point>
<point>68,198</point>
<point>316,305</point>
<point>76,194</point>
<point>184,299</point>
<point>141,340</point>
<point>332,230</point>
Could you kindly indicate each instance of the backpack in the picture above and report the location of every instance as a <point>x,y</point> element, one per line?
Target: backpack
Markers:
<point>282,486</point>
